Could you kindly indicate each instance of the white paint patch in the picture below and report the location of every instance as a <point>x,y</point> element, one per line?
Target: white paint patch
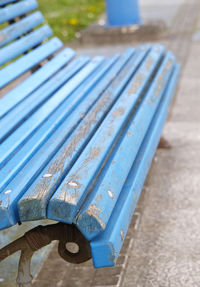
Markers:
<point>46,175</point>
<point>8,191</point>
<point>1,280</point>
<point>122,235</point>
<point>73,184</point>
<point>110,193</point>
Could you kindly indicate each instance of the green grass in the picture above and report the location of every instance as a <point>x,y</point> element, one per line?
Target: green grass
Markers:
<point>68,17</point>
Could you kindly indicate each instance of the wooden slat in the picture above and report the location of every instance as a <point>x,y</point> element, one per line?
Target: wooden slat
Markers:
<point>15,164</point>
<point>20,66</point>
<point>110,242</point>
<point>23,111</point>
<point>19,28</point>
<point>4,2</point>
<point>17,139</point>
<point>129,143</point>
<point>58,115</point>
<point>19,93</point>
<point>24,44</point>
<point>18,9</point>
<point>81,135</point>
<point>84,172</point>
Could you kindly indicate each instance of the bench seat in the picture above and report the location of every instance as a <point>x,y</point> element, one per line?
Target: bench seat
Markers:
<point>78,135</point>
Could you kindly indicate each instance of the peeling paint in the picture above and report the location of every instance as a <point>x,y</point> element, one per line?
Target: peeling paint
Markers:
<point>118,112</point>
<point>136,84</point>
<point>73,184</point>
<point>99,197</point>
<point>68,198</point>
<point>94,211</point>
<point>149,64</point>
<point>46,175</point>
<point>122,235</point>
<point>110,193</point>
<point>8,191</point>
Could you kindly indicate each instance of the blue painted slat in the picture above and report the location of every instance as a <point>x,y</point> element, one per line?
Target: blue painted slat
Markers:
<point>23,111</point>
<point>110,242</point>
<point>38,162</point>
<point>68,126</point>
<point>112,179</point>
<point>20,66</point>
<point>121,74</point>
<point>80,180</point>
<point>39,193</point>
<point>19,28</point>
<point>4,2</point>
<point>24,44</point>
<point>18,9</point>
<point>19,93</point>
<point>24,132</point>
<point>26,152</point>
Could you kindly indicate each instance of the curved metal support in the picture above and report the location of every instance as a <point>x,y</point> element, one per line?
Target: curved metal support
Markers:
<point>41,236</point>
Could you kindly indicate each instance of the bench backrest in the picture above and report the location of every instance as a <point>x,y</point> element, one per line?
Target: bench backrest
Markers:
<point>21,36</point>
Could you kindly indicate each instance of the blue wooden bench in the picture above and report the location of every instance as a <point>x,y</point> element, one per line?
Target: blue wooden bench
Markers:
<point>77,135</point>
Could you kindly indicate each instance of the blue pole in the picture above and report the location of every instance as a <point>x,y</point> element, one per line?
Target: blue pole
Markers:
<point>122,12</point>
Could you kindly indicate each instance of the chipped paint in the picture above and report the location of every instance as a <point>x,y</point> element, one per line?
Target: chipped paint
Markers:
<point>99,197</point>
<point>136,84</point>
<point>110,193</point>
<point>68,198</point>
<point>58,166</point>
<point>149,64</point>
<point>94,152</point>
<point>94,211</point>
<point>46,175</point>
<point>118,112</point>
<point>122,235</point>
<point>161,81</point>
<point>8,191</point>
<point>73,184</point>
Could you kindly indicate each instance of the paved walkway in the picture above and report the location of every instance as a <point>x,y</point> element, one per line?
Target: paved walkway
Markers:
<point>162,245</point>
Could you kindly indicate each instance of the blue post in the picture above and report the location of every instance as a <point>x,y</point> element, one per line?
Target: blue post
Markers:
<point>122,12</point>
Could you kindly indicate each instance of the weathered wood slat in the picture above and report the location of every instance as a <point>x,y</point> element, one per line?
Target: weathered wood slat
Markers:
<point>20,66</point>
<point>110,242</point>
<point>17,186</point>
<point>110,85</point>
<point>22,91</point>
<point>27,151</point>
<point>23,111</point>
<point>24,44</point>
<point>19,28</point>
<point>23,133</point>
<point>12,11</point>
<point>109,186</point>
<point>4,2</point>
<point>82,178</point>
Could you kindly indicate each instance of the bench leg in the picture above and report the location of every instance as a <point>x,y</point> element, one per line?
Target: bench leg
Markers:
<point>41,236</point>
<point>164,144</point>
